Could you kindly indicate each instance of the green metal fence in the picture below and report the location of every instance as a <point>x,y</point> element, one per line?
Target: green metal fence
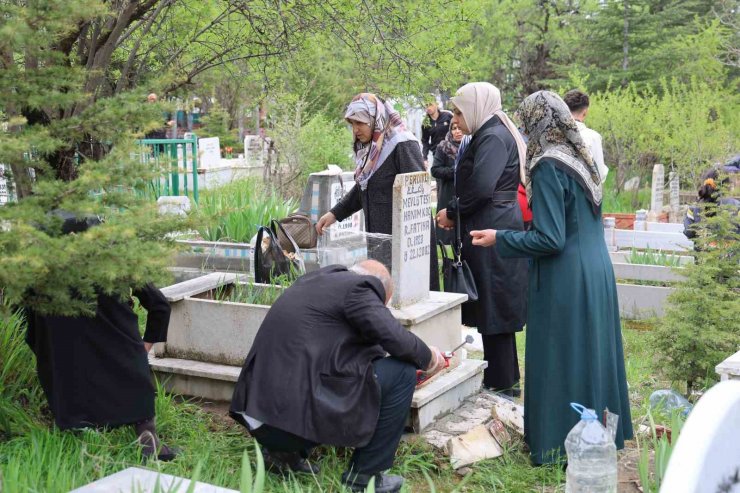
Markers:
<point>180,156</point>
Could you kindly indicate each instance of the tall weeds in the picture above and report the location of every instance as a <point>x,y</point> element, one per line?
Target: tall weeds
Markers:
<point>235,211</point>
<point>19,389</point>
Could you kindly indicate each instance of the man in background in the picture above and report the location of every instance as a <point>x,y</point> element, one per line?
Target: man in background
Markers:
<point>434,127</point>
<point>578,103</point>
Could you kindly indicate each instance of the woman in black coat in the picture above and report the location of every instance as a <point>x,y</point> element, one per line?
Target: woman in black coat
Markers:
<point>443,170</point>
<point>94,369</point>
<point>488,174</point>
<point>383,148</point>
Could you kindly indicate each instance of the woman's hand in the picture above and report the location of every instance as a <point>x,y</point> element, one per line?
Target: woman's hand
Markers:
<point>443,221</point>
<point>325,221</point>
<point>148,346</point>
<point>484,237</point>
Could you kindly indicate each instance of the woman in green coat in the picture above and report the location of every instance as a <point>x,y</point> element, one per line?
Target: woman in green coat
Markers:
<point>574,339</point>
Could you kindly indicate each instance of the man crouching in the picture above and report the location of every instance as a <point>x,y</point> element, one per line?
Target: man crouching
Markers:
<point>318,374</point>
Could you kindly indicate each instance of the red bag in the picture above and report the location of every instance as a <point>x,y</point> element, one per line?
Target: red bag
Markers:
<point>523,205</point>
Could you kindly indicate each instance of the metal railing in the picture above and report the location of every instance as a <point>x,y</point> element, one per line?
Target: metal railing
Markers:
<point>180,156</point>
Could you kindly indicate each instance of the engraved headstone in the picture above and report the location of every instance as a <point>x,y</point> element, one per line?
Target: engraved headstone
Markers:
<point>5,195</point>
<point>656,197</point>
<point>675,192</point>
<point>209,152</point>
<point>351,225</point>
<point>411,237</point>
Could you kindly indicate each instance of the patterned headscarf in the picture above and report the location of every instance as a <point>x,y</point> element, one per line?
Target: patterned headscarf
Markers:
<point>449,146</point>
<point>479,102</point>
<point>388,131</point>
<point>553,133</point>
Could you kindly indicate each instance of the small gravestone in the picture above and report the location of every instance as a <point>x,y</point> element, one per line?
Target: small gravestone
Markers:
<point>173,204</point>
<point>656,196</point>
<point>352,225</point>
<point>412,209</point>
<point>610,238</point>
<point>632,184</point>
<point>209,152</point>
<point>5,195</point>
<point>675,196</point>
<point>640,220</point>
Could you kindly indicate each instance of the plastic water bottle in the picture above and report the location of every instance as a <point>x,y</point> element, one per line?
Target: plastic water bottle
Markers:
<point>592,456</point>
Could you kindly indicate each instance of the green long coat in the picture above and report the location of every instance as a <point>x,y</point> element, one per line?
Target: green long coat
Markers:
<point>574,340</point>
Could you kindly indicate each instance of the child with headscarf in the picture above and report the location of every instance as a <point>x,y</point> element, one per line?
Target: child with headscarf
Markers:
<point>489,169</point>
<point>574,339</point>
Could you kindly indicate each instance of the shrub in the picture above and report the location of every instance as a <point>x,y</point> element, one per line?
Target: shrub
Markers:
<point>700,328</point>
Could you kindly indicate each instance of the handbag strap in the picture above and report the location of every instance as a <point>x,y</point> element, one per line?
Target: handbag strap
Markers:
<point>442,247</point>
<point>457,248</point>
<point>276,226</point>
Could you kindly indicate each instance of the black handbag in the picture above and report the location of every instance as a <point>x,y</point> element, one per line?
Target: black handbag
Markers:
<point>456,273</point>
<point>271,260</point>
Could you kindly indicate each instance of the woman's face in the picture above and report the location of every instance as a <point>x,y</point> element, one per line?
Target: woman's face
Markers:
<point>361,131</point>
<point>457,119</point>
<point>457,134</point>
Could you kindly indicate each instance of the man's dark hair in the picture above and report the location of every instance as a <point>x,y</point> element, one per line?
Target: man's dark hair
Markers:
<point>576,100</point>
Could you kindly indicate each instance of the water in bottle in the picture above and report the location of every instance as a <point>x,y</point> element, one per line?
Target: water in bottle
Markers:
<point>592,456</point>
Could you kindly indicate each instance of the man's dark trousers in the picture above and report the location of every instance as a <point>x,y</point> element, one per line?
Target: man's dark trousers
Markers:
<point>397,381</point>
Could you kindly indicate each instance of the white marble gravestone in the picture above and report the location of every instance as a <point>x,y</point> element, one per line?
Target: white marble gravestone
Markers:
<point>412,213</point>
<point>706,457</point>
<point>656,198</point>
<point>209,152</point>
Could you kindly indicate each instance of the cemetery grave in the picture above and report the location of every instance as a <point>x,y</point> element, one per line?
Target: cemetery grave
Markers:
<point>209,337</point>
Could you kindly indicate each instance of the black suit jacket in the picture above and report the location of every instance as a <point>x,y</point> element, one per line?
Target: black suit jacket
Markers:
<point>310,371</point>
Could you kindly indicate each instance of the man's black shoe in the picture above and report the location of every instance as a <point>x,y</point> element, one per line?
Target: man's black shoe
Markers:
<point>384,483</point>
<point>284,463</point>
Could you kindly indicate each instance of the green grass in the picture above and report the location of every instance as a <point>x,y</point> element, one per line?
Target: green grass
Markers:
<point>34,457</point>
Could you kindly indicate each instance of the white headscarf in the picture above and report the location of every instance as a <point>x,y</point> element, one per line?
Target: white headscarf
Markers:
<point>479,102</point>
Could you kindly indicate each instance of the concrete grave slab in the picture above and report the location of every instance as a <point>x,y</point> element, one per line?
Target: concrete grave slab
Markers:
<point>446,393</point>
<point>639,302</point>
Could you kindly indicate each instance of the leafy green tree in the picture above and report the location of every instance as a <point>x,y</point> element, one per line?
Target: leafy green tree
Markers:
<point>687,127</point>
<point>73,80</point>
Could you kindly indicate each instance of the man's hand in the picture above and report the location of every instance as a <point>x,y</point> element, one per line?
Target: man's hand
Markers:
<point>324,222</point>
<point>148,346</point>
<point>437,363</point>
<point>442,220</point>
<point>484,237</point>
